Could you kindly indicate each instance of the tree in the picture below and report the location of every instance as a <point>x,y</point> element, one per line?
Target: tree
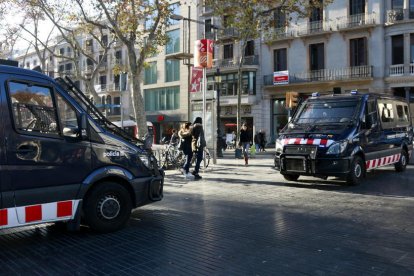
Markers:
<point>140,25</point>
<point>249,18</point>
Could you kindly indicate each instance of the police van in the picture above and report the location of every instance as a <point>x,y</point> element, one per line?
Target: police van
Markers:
<point>345,136</point>
<point>61,160</point>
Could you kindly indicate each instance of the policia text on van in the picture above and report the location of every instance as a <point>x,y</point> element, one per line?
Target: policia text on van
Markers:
<point>61,160</point>
<point>345,135</point>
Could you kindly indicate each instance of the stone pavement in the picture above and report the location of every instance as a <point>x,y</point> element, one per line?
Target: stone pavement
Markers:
<point>238,220</point>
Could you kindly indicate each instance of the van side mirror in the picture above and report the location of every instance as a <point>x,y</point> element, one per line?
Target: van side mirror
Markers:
<point>84,126</point>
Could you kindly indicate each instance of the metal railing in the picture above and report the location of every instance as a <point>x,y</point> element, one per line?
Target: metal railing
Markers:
<point>314,27</point>
<point>275,34</point>
<point>396,70</point>
<point>336,74</point>
<point>396,15</point>
<point>232,62</point>
<point>88,69</point>
<point>356,20</point>
<point>227,33</point>
<point>113,87</point>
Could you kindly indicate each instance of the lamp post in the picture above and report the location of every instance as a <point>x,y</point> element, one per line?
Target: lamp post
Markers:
<point>217,80</point>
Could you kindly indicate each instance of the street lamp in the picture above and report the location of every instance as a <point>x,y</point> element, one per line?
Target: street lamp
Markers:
<point>217,80</point>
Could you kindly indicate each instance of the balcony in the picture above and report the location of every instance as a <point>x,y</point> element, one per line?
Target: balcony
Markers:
<point>278,34</point>
<point>337,74</point>
<point>88,69</point>
<point>313,28</point>
<point>227,34</point>
<point>399,16</point>
<point>357,21</point>
<point>88,49</point>
<point>103,66</point>
<point>399,70</point>
<point>113,87</point>
<point>234,62</point>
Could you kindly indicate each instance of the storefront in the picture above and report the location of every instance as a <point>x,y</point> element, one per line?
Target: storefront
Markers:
<point>280,117</point>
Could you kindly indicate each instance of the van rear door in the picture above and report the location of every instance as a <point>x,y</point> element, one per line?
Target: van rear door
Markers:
<point>46,158</point>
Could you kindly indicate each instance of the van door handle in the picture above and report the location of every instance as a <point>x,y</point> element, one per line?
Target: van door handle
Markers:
<point>25,149</point>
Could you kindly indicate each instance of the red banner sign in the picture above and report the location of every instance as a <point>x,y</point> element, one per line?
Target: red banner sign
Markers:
<point>196,76</point>
<point>203,53</point>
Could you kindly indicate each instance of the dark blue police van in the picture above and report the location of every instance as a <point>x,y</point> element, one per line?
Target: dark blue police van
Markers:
<point>345,136</point>
<point>62,160</point>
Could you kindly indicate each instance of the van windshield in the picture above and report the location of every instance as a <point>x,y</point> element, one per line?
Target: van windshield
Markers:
<point>326,112</point>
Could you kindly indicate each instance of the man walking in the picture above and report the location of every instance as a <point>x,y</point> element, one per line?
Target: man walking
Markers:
<point>198,144</point>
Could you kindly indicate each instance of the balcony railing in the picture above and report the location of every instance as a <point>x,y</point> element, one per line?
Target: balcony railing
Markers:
<point>113,87</point>
<point>88,69</point>
<point>337,74</point>
<point>314,27</point>
<point>356,21</point>
<point>275,34</point>
<point>223,63</point>
<point>227,33</point>
<point>401,70</point>
<point>397,15</point>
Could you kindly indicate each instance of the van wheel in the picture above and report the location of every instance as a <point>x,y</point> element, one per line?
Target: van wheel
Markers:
<point>291,177</point>
<point>107,207</point>
<point>356,172</point>
<point>402,164</point>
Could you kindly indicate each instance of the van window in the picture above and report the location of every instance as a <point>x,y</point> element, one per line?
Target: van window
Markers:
<point>323,111</point>
<point>33,109</point>
<point>402,113</point>
<point>386,111</point>
<point>371,114</point>
<point>68,118</point>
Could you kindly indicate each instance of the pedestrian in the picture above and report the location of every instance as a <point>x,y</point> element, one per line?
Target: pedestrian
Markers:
<point>174,138</point>
<point>186,139</point>
<point>256,141</point>
<point>244,143</point>
<point>262,139</point>
<point>198,144</point>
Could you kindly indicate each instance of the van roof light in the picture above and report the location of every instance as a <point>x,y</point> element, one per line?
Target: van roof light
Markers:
<point>315,94</point>
<point>354,92</point>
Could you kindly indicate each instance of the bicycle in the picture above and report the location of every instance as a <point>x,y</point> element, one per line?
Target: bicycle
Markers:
<point>172,158</point>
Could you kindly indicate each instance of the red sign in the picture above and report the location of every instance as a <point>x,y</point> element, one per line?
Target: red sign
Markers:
<point>160,118</point>
<point>280,77</point>
<point>196,76</point>
<point>203,53</point>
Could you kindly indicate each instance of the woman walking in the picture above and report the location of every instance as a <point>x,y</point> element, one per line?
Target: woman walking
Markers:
<point>186,138</point>
<point>244,142</point>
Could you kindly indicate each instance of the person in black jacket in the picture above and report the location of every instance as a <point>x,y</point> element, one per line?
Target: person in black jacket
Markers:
<point>244,143</point>
<point>198,144</point>
<point>186,139</point>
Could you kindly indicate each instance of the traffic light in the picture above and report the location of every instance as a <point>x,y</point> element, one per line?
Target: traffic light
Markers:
<point>292,99</point>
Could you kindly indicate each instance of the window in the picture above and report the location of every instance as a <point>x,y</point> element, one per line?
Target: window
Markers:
<point>397,42</point>
<point>226,21</point>
<point>89,62</point>
<point>402,113</point>
<point>207,26</point>
<point>412,48</point>
<point>118,57</point>
<point>172,70</point>
<point>386,113</point>
<point>150,73</point>
<point>358,52</point>
<point>317,58</point>
<point>167,98</point>
<point>68,67</point>
<point>117,106</point>
<point>279,18</point>
<point>249,51</point>
<point>411,9</point>
<point>229,84</point>
<point>397,4</point>
<point>102,82</point>
<point>371,115</point>
<point>228,51</point>
<point>280,59</point>
<point>33,109</point>
<point>104,40</point>
<point>317,11</point>
<point>34,62</point>
<point>173,45</point>
<point>356,7</point>
<point>174,9</point>
<point>62,51</point>
<point>68,118</point>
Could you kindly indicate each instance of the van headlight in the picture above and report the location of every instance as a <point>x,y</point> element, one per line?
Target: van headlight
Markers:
<point>338,147</point>
<point>279,145</point>
<point>145,160</point>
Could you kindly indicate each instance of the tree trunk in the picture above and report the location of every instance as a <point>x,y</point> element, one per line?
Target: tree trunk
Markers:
<point>136,96</point>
